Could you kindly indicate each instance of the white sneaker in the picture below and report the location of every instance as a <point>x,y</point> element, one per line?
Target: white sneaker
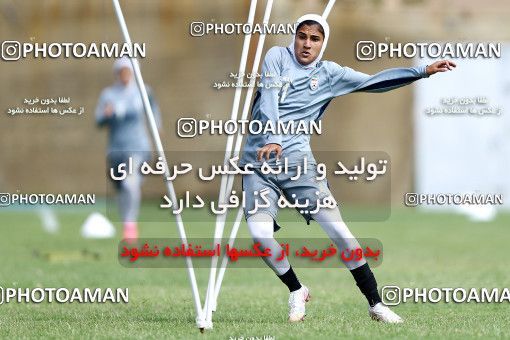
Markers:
<point>382,313</point>
<point>297,300</point>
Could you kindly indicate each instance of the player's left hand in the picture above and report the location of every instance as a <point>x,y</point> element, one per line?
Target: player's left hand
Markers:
<point>440,66</point>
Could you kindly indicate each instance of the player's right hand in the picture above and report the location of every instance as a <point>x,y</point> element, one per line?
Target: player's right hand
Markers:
<point>266,150</point>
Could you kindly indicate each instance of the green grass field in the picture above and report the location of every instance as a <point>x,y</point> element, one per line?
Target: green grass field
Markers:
<point>420,250</point>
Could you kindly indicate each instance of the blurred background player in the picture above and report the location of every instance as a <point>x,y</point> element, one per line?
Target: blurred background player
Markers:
<point>120,109</point>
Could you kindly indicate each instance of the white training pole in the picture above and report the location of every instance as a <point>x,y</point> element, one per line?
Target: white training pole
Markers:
<point>237,222</point>
<point>228,151</point>
<point>246,108</point>
<point>224,260</point>
<point>328,9</point>
<point>251,89</point>
<point>159,147</point>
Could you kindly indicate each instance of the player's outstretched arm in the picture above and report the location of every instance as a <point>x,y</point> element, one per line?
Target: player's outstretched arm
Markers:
<point>346,80</point>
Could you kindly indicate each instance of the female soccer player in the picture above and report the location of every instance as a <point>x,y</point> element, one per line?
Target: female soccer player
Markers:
<point>120,108</point>
<point>298,86</point>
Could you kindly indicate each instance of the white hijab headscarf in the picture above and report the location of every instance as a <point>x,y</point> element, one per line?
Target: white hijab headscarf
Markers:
<point>123,62</point>
<point>319,19</point>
